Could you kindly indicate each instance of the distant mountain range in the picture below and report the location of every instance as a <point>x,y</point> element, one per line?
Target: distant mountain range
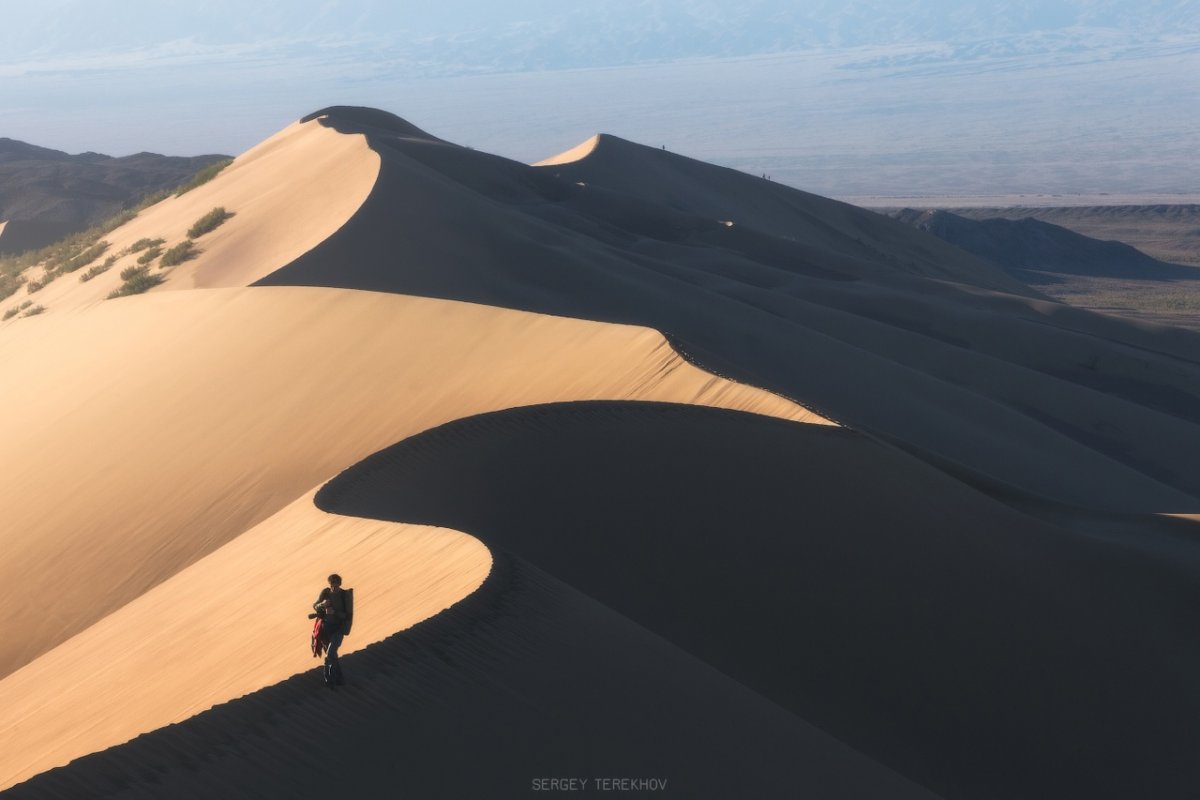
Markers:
<point>1022,245</point>
<point>47,194</point>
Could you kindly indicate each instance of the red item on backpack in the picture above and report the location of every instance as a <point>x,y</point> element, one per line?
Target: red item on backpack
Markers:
<point>320,642</point>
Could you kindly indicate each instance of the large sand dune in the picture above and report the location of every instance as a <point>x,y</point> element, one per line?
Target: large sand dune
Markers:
<point>145,433</point>
<point>882,327</point>
<point>239,403</point>
<point>980,651</point>
<point>286,194</point>
<point>967,589</point>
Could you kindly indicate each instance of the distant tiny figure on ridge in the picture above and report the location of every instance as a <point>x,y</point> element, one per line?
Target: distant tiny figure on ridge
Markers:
<point>335,615</point>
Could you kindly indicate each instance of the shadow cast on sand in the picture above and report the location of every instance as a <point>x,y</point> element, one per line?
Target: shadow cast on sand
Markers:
<point>684,592</point>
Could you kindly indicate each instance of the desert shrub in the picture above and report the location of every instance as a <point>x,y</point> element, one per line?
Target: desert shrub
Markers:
<point>54,256</point>
<point>9,284</point>
<point>209,222</point>
<point>148,256</point>
<point>86,257</point>
<point>137,280</point>
<point>98,269</point>
<point>12,312</point>
<point>33,312</point>
<point>142,244</point>
<point>36,286</point>
<point>178,254</point>
<point>203,176</point>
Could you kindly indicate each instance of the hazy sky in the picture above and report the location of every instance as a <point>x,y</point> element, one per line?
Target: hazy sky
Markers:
<point>849,96</point>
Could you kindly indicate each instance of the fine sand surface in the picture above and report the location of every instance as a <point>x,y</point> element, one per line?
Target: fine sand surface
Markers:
<point>980,651</point>
<point>286,194</point>
<point>147,432</point>
<point>577,152</point>
<point>526,679</point>
<point>230,624</point>
<point>973,590</point>
<point>882,327</point>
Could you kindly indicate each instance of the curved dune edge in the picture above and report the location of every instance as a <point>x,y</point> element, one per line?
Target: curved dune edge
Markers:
<point>228,625</point>
<point>143,434</point>
<point>576,153</point>
<point>268,391</point>
<point>287,194</point>
<point>977,649</point>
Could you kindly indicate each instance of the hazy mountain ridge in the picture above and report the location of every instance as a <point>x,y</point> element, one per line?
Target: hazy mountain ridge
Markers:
<point>1031,244</point>
<point>46,194</point>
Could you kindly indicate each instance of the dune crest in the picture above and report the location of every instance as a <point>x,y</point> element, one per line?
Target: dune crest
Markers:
<point>244,399</point>
<point>579,151</point>
<point>230,624</point>
<point>286,194</point>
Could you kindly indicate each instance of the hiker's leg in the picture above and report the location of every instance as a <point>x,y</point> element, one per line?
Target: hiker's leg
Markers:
<point>333,670</point>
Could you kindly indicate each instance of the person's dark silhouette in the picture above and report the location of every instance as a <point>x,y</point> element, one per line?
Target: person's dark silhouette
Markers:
<point>335,606</point>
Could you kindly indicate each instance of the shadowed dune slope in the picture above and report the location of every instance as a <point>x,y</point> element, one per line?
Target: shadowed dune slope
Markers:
<point>526,678</point>
<point>144,433</point>
<point>867,321</point>
<point>679,592</point>
<point>978,650</point>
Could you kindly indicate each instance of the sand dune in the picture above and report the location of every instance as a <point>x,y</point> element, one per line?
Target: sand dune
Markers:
<point>232,623</point>
<point>527,678</point>
<point>575,153</point>
<point>978,650</point>
<point>834,306</point>
<point>242,401</point>
<point>956,640</point>
<point>287,194</point>
<point>966,587</point>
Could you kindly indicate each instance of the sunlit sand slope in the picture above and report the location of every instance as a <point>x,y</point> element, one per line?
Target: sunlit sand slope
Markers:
<point>685,555</point>
<point>888,330</point>
<point>526,679</point>
<point>286,195</point>
<point>230,624</point>
<point>145,433</point>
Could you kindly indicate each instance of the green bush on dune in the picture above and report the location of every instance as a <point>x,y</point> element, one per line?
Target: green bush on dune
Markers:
<point>83,259</point>
<point>17,309</point>
<point>143,243</point>
<point>9,284</point>
<point>203,176</point>
<point>209,222</point>
<point>137,280</point>
<point>98,269</point>
<point>178,254</point>
<point>60,255</point>
<point>33,312</point>
<point>149,255</point>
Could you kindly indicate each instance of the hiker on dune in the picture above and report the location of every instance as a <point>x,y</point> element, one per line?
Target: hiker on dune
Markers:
<point>335,611</point>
